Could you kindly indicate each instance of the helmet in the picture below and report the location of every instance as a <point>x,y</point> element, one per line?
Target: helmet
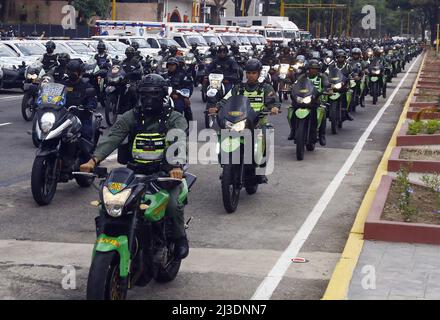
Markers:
<point>63,59</point>
<point>152,90</point>
<point>173,49</point>
<point>135,45</point>
<point>101,47</point>
<point>340,53</point>
<point>253,65</point>
<point>130,52</point>
<point>223,48</point>
<point>356,51</point>
<point>172,60</point>
<point>194,45</point>
<point>163,46</point>
<point>316,55</point>
<point>313,64</point>
<point>50,46</point>
<point>74,69</point>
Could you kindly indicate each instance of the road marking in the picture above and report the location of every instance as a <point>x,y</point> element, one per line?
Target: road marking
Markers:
<point>5,124</point>
<point>10,97</point>
<point>273,278</point>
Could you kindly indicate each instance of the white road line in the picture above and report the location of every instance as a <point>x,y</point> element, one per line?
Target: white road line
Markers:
<point>10,97</point>
<point>5,124</point>
<point>273,278</point>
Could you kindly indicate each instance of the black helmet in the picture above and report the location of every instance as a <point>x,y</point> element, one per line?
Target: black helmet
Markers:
<point>172,60</point>
<point>63,59</point>
<point>313,64</point>
<point>50,46</point>
<point>173,49</point>
<point>74,69</point>
<point>253,65</point>
<point>101,46</point>
<point>163,46</point>
<point>194,45</point>
<point>356,51</point>
<point>130,52</point>
<point>223,48</point>
<point>135,45</point>
<point>152,91</point>
<point>340,53</point>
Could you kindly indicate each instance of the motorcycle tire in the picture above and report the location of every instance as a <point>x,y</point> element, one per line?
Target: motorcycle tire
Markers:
<point>35,140</point>
<point>27,108</point>
<point>43,191</point>
<point>374,93</point>
<point>170,271</point>
<point>230,191</point>
<point>104,282</point>
<point>384,90</point>
<point>204,97</point>
<point>334,117</point>
<point>300,140</point>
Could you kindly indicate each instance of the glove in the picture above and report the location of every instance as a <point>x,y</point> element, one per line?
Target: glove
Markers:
<point>88,166</point>
<point>176,173</point>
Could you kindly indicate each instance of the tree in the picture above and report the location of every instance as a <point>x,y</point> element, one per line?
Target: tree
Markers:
<point>89,8</point>
<point>238,6</point>
<point>215,15</point>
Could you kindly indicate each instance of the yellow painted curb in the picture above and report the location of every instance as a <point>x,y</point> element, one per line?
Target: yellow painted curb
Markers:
<point>337,288</point>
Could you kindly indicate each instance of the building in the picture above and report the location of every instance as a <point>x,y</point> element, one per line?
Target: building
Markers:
<point>50,11</point>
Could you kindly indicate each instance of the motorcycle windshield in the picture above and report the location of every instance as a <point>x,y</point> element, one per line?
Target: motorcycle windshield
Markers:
<point>303,88</point>
<point>52,95</point>
<point>335,75</point>
<point>236,109</point>
<point>119,179</point>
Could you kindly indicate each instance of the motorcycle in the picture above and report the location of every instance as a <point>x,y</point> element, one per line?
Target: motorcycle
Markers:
<point>116,90</point>
<point>201,74</point>
<point>285,83</point>
<point>33,75</point>
<point>133,244</point>
<point>234,117</point>
<point>357,85</point>
<point>338,85</point>
<point>215,93</point>
<point>305,98</point>
<point>377,84</point>
<point>62,148</point>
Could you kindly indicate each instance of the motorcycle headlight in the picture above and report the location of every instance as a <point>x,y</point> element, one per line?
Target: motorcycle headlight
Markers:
<point>208,61</point>
<point>215,84</point>
<point>376,72</point>
<point>337,85</point>
<point>47,122</point>
<point>284,70</point>
<point>114,203</point>
<point>305,100</point>
<point>31,76</point>
<point>239,126</point>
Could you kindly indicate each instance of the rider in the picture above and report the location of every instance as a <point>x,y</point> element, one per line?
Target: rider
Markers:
<point>163,50</point>
<point>50,59</point>
<point>60,72</point>
<point>321,83</point>
<point>103,60</point>
<point>225,65</point>
<point>148,124</point>
<point>178,80</point>
<point>346,70</point>
<point>82,94</point>
<point>134,71</point>
<point>262,96</point>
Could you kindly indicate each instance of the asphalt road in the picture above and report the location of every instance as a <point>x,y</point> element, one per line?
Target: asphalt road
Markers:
<point>230,254</point>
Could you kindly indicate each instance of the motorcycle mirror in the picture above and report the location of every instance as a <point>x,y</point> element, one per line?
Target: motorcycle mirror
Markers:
<point>170,90</point>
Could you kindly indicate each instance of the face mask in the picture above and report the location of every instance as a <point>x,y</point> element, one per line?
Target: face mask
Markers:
<point>151,105</point>
<point>73,76</point>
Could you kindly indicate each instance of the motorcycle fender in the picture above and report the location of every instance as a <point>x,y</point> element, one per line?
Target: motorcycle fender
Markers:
<point>374,79</point>
<point>110,89</point>
<point>183,196</point>
<point>46,152</point>
<point>302,113</point>
<point>211,92</point>
<point>230,144</point>
<point>105,243</point>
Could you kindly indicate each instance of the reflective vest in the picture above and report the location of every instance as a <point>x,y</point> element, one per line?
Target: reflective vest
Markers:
<point>148,147</point>
<point>256,98</point>
<point>317,83</point>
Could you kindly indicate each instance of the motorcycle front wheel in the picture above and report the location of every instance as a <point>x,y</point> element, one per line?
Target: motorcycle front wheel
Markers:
<point>334,117</point>
<point>111,111</point>
<point>27,106</point>
<point>44,180</point>
<point>230,189</point>
<point>300,139</point>
<point>104,281</point>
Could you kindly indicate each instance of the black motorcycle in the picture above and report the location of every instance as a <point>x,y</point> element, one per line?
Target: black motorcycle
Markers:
<point>116,91</point>
<point>238,170</point>
<point>338,84</point>
<point>62,148</point>
<point>33,76</point>
<point>377,83</point>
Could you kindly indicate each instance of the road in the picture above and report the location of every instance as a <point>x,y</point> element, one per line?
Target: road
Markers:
<point>231,254</point>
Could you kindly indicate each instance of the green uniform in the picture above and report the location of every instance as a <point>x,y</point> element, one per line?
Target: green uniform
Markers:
<point>261,96</point>
<point>140,133</point>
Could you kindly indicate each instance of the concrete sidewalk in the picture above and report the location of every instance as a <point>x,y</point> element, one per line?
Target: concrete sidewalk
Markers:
<point>395,271</point>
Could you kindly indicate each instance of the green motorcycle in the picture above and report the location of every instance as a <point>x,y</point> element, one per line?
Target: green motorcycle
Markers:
<point>336,106</point>
<point>133,242</point>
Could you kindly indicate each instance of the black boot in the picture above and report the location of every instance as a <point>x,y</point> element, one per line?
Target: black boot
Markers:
<point>181,248</point>
<point>322,140</point>
<point>261,179</point>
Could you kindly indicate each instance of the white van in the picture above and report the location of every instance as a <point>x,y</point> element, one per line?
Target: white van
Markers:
<point>186,39</point>
<point>144,43</point>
